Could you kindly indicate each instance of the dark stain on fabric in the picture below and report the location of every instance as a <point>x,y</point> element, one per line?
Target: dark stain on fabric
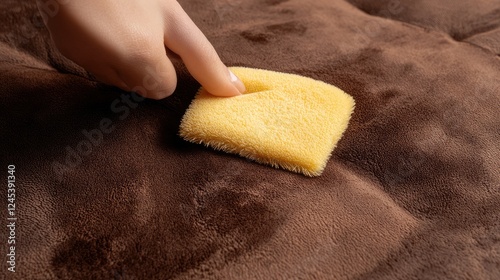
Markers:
<point>291,27</point>
<point>264,34</point>
<point>77,254</point>
<point>274,2</point>
<point>254,36</point>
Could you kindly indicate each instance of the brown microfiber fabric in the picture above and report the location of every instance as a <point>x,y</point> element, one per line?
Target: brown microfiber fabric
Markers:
<point>410,192</point>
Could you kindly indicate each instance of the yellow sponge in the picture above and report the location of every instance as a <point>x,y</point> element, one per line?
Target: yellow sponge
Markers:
<point>283,120</point>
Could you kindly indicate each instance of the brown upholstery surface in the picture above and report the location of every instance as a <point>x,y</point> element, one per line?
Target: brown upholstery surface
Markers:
<point>411,192</point>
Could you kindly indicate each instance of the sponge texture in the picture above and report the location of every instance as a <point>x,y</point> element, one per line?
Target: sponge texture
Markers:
<point>283,120</point>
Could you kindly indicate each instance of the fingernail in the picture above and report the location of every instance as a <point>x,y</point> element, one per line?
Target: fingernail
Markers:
<point>237,82</point>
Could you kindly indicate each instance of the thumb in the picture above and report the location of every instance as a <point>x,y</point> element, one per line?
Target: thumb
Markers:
<point>150,74</point>
<point>199,56</point>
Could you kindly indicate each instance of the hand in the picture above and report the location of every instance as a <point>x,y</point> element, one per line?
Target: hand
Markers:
<point>123,43</point>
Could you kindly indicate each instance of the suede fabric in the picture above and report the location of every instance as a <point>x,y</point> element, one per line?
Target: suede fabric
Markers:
<point>105,189</point>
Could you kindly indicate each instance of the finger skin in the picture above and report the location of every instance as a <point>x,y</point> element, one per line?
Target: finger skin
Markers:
<point>152,76</point>
<point>123,43</point>
<point>199,56</point>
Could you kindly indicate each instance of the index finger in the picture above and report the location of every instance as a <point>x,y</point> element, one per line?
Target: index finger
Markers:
<point>183,37</point>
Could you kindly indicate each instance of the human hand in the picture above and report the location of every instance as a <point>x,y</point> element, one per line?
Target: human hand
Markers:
<point>123,43</point>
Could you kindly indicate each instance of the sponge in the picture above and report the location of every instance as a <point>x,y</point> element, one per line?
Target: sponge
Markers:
<point>284,120</point>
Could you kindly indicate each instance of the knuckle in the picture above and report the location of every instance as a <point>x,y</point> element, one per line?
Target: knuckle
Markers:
<point>139,57</point>
<point>140,50</point>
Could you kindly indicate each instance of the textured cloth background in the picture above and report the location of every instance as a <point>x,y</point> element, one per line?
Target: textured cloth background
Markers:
<point>411,192</point>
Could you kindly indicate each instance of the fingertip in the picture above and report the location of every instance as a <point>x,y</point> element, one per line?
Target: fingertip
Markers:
<point>229,86</point>
<point>201,58</point>
<point>229,90</point>
<point>240,86</point>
